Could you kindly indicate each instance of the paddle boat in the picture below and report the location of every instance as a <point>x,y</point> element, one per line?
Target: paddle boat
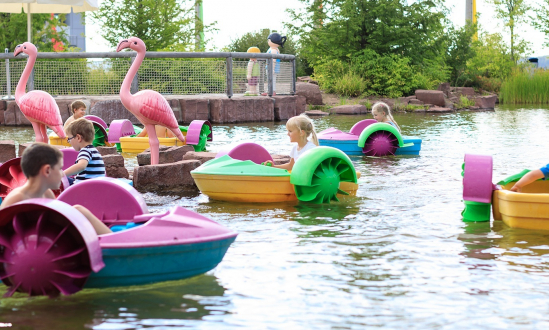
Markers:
<point>47,247</point>
<point>368,137</point>
<point>528,209</point>
<point>236,175</point>
<point>99,140</point>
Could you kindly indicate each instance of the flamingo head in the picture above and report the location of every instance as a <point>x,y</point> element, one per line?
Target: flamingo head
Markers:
<point>133,43</point>
<point>26,47</point>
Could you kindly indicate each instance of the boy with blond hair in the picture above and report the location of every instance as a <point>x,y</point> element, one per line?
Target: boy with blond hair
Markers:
<point>42,164</point>
<point>89,163</point>
<point>78,109</point>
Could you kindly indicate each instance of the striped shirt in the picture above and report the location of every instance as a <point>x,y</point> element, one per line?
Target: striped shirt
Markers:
<point>95,168</point>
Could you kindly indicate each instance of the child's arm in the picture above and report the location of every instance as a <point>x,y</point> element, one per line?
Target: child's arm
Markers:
<point>527,179</point>
<point>287,166</point>
<point>143,133</point>
<point>14,197</point>
<point>76,168</point>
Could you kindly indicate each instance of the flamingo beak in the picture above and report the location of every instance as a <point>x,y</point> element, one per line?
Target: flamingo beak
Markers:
<point>18,50</point>
<point>123,45</point>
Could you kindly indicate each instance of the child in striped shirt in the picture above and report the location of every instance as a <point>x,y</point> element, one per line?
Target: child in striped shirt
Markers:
<point>89,163</point>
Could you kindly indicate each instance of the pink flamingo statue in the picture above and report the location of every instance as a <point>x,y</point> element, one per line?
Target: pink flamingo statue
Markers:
<point>148,106</point>
<point>38,106</point>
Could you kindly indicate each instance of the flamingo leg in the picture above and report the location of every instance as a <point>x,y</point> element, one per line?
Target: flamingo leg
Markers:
<point>153,143</point>
<point>44,133</point>
<point>37,131</point>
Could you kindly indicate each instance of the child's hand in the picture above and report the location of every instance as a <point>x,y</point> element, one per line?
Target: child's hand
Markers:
<point>516,188</point>
<point>267,163</point>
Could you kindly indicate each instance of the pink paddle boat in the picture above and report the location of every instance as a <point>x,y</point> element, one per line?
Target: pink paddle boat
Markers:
<point>47,247</point>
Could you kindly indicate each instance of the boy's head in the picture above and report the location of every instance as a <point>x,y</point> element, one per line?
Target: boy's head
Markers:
<point>79,132</point>
<point>78,109</point>
<point>42,157</point>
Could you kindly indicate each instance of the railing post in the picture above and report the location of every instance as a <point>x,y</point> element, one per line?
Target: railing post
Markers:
<point>270,73</point>
<point>293,76</point>
<point>230,76</point>
<point>134,87</point>
<point>8,80</point>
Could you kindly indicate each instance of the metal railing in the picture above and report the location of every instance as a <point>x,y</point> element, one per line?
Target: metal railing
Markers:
<point>178,73</point>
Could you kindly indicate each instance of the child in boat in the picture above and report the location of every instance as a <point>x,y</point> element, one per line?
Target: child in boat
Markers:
<point>299,128</point>
<point>161,132</point>
<point>542,173</point>
<point>382,113</point>
<point>78,111</point>
<point>42,164</point>
<point>89,163</point>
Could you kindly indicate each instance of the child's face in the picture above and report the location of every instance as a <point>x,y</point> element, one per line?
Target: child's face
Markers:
<point>79,113</point>
<point>379,116</point>
<point>295,134</point>
<point>55,175</point>
<point>74,141</point>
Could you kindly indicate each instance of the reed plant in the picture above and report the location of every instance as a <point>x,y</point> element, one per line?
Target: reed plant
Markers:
<point>526,86</point>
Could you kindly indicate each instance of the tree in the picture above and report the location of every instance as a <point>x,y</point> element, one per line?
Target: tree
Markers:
<point>161,24</point>
<point>541,20</point>
<point>513,12</point>
<point>13,31</point>
<point>460,50</point>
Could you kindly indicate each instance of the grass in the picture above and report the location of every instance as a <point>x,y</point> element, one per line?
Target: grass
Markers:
<point>464,102</point>
<point>526,87</point>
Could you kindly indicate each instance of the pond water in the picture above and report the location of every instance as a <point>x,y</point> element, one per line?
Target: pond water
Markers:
<point>396,256</point>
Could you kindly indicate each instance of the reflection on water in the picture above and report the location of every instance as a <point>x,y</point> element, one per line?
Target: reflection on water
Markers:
<point>396,256</point>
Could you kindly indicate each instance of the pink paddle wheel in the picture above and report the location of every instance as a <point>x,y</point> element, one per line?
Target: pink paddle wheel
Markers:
<point>380,143</point>
<point>12,176</point>
<point>37,238</point>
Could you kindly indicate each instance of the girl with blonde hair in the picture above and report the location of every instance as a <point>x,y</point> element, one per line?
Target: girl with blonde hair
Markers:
<point>299,129</point>
<point>382,113</point>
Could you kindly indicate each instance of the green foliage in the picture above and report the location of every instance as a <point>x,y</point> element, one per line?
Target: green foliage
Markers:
<point>464,102</point>
<point>13,30</point>
<point>513,12</point>
<point>526,86</point>
<point>460,50</point>
<point>491,64</point>
<point>161,24</point>
<point>350,84</point>
<point>541,20</point>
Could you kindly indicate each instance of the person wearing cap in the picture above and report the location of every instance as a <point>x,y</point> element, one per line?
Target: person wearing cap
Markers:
<point>275,40</point>
<point>253,74</point>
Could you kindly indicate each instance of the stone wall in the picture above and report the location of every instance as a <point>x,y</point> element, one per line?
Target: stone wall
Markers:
<point>217,109</point>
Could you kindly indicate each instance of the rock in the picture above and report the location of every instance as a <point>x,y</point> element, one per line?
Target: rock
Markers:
<point>445,87</point>
<point>284,107</point>
<point>349,109</point>
<point>415,102</point>
<point>311,113</point>
<point>113,160</point>
<point>439,109</point>
<point>65,108</point>
<point>307,79</point>
<point>467,91</point>
<point>281,159</point>
<point>194,109</point>
<point>107,151</point>
<point>474,108</point>
<point>166,178</point>
<point>311,93</point>
<point>2,117</point>
<point>241,109</point>
<point>403,101</point>
<point>7,150</point>
<point>431,97</point>
<point>109,110</point>
<point>200,156</point>
<point>13,115</point>
<point>300,104</point>
<point>448,103</point>
<point>3,105</point>
<point>486,102</point>
<point>117,172</point>
<point>166,154</point>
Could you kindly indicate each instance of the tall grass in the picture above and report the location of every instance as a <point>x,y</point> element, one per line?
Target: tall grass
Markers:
<point>526,86</point>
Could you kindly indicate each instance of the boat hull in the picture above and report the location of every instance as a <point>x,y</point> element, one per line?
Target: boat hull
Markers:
<point>140,144</point>
<point>350,147</point>
<point>136,266</point>
<point>528,209</point>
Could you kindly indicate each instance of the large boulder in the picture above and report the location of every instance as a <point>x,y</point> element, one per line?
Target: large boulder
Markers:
<point>300,104</point>
<point>349,109</point>
<point>201,156</point>
<point>13,115</point>
<point>465,91</point>
<point>194,109</point>
<point>107,151</point>
<point>166,178</point>
<point>486,102</point>
<point>109,110</point>
<point>7,150</point>
<point>114,166</point>
<point>241,109</point>
<point>166,154</point>
<point>284,107</point>
<point>23,146</point>
<point>431,97</point>
<point>311,92</point>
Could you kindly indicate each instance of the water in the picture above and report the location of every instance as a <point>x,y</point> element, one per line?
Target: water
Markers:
<point>397,256</point>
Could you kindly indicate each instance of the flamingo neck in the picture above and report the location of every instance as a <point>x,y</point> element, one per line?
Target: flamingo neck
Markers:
<point>21,86</point>
<point>125,93</point>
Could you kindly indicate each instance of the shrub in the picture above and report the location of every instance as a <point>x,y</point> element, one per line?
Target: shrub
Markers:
<point>350,84</point>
